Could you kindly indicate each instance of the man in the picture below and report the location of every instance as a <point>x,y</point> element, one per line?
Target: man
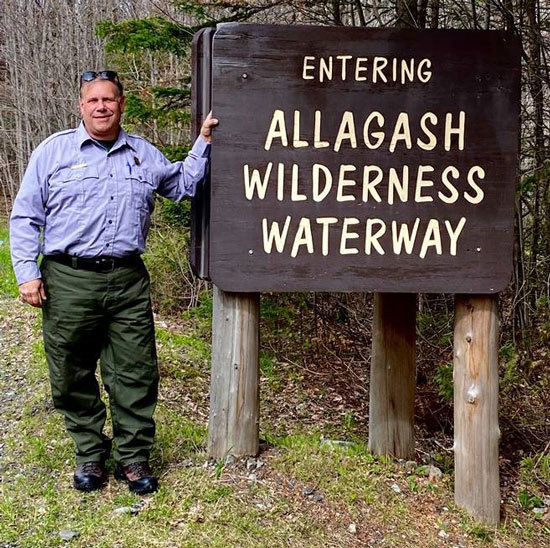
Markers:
<point>85,204</point>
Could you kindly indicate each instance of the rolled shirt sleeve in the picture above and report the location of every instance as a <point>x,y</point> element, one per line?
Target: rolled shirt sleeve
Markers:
<point>27,219</point>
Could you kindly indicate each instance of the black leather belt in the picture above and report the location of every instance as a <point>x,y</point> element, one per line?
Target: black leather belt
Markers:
<point>98,264</point>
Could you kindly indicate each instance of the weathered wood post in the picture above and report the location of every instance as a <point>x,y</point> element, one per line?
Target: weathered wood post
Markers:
<point>393,375</point>
<point>233,427</point>
<point>476,406</point>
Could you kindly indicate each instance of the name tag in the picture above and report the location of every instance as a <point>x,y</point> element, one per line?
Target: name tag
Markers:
<point>78,166</point>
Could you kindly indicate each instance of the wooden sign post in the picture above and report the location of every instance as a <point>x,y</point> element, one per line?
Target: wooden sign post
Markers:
<point>476,406</point>
<point>355,159</point>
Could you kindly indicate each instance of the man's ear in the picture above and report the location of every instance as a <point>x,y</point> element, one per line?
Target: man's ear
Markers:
<point>122,103</point>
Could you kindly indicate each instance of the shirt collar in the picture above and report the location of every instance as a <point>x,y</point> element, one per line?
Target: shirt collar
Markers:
<point>82,137</point>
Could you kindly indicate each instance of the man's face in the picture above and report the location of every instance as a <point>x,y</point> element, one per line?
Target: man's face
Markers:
<point>101,107</point>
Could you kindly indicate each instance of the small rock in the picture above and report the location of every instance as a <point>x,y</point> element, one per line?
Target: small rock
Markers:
<point>251,464</point>
<point>136,507</point>
<point>396,488</point>
<point>352,528</point>
<point>433,472</point>
<point>336,443</point>
<point>122,510</point>
<point>442,534</point>
<point>230,459</point>
<point>313,494</point>
<point>317,496</point>
<point>67,534</point>
<point>252,478</point>
<point>411,465</point>
<point>195,513</point>
<point>187,463</point>
<point>539,512</point>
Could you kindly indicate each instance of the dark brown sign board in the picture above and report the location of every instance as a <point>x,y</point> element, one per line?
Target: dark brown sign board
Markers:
<point>360,159</point>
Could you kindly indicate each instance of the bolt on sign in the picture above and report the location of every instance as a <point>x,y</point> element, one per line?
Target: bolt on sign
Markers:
<point>353,159</point>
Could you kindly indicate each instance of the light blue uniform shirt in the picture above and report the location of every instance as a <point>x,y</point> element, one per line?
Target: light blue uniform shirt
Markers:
<point>90,202</point>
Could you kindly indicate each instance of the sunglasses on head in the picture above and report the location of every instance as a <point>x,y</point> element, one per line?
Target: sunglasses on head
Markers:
<point>91,75</point>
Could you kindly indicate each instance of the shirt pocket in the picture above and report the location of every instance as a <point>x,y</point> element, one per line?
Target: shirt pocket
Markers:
<point>70,202</point>
<point>141,185</point>
<point>73,188</point>
<point>140,182</point>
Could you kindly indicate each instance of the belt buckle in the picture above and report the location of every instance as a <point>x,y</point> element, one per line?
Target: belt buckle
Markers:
<point>107,263</point>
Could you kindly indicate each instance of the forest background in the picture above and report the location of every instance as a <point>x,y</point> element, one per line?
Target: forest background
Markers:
<point>46,44</point>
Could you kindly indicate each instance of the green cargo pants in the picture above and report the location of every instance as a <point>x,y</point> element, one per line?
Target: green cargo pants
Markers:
<point>107,316</point>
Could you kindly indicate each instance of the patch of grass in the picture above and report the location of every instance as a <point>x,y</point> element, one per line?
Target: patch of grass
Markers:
<point>8,284</point>
<point>328,465</point>
<point>176,437</point>
<point>536,468</point>
<point>269,370</point>
<point>529,501</point>
<point>40,367</point>
<point>196,349</point>
<point>183,358</point>
<point>202,314</point>
<point>534,474</point>
<point>479,531</point>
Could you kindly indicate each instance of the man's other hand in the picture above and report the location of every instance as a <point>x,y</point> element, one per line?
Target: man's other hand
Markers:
<point>207,125</point>
<point>32,292</point>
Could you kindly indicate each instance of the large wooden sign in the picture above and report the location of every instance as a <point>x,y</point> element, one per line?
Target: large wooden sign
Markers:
<point>363,159</point>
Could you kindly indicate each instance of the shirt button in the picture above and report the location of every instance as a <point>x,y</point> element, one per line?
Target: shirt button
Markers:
<point>112,197</point>
<point>110,222</point>
<point>107,245</point>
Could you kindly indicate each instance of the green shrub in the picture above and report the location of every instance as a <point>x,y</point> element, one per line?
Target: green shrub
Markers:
<point>174,287</point>
<point>444,381</point>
